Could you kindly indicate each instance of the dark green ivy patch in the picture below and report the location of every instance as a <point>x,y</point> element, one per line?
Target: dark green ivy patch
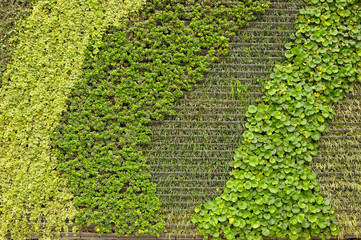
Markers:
<point>142,67</point>
<point>273,191</point>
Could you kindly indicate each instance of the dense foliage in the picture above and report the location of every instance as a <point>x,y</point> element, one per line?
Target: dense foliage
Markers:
<point>46,63</point>
<point>10,13</point>
<point>142,68</point>
<point>273,191</point>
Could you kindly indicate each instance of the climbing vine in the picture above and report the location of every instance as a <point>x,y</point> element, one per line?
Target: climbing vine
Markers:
<point>273,191</point>
<point>142,67</point>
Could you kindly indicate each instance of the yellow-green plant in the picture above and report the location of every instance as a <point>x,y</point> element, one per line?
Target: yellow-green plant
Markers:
<point>273,191</point>
<point>10,13</point>
<point>47,61</point>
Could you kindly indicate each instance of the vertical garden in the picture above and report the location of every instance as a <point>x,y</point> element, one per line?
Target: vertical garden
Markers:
<point>84,81</point>
<point>273,191</point>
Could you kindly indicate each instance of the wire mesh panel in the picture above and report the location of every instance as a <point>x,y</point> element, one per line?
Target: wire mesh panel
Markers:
<point>190,151</point>
<point>339,165</point>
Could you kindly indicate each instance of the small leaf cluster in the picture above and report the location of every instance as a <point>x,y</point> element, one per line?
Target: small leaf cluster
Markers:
<point>47,57</point>
<point>10,13</point>
<point>143,65</point>
<point>273,191</point>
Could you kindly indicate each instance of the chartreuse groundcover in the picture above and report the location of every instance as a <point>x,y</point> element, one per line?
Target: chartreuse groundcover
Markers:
<point>10,13</point>
<point>84,79</point>
<point>47,61</point>
<point>273,191</point>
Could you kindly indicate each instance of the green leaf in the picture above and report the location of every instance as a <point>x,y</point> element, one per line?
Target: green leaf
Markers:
<point>300,217</point>
<point>195,219</point>
<point>313,209</point>
<point>242,223</point>
<point>301,204</point>
<point>253,161</point>
<point>222,218</point>
<point>273,189</point>
<point>266,232</point>
<point>288,45</point>
<point>272,209</point>
<point>249,135</point>
<point>278,114</point>
<point>288,54</point>
<point>208,205</point>
<point>242,205</point>
<point>248,185</point>
<point>252,109</point>
<point>198,209</point>
<point>315,135</point>
<point>236,223</point>
<point>255,224</point>
<point>272,91</point>
<point>312,218</point>
<point>312,176</point>
<point>258,117</point>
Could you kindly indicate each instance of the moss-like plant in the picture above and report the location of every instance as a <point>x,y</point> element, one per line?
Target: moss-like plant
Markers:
<point>273,191</point>
<point>10,13</point>
<point>142,67</point>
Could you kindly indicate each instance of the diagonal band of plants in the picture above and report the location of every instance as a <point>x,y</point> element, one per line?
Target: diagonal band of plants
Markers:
<point>273,191</point>
<point>142,67</point>
<point>49,50</point>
